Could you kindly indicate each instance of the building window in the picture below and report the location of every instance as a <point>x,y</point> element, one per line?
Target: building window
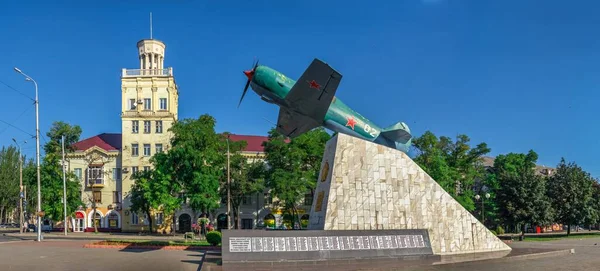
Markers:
<point>95,175</point>
<point>147,104</point>
<point>159,126</point>
<point>146,168</point>
<point>134,150</point>
<point>97,197</point>
<point>135,126</point>
<point>308,199</point>
<point>247,200</point>
<point>134,170</point>
<point>146,149</point>
<point>163,103</point>
<point>131,104</point>
<point>134,218</point>
<point>78,172</point>
<point>116,174</point>
<point>159,148</point>
<point>146,127</point>
<point>159,218</point>
<point>116,198</point>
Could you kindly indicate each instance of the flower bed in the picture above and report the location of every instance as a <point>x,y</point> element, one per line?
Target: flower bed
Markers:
<point>144,244</point>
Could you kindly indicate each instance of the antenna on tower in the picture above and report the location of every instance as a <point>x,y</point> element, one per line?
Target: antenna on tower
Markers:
<point>150,25</point>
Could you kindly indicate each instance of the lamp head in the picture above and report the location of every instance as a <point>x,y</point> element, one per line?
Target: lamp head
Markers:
<point>17,70</point>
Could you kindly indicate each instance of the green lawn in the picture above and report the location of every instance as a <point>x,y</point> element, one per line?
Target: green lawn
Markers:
<point>543,238</point>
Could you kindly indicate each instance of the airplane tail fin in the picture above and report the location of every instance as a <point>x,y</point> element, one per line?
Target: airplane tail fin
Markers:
<point>399,133</point>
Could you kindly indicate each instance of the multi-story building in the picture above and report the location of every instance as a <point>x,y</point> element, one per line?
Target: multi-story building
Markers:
<point>105,163</point>
<point>148,109</point>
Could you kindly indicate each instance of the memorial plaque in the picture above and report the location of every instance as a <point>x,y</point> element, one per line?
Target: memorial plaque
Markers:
<point>280,244</point>
<point>313,243</point>
<point>408,240</point>
<point>257,244</point>
<point>393,241</point>
<point>324,242</point>
<point>302,243</point>
<point>366,243</point>
<point>374,242</point>
<point>401,243</point>
<point>420,242</point>
<point>248,246</point>
<point>346,243</point>
<point>357,241</point>
<point>291,243</point>
<point>334,243</point>
<point>240,244</point>
<point>268,244</point>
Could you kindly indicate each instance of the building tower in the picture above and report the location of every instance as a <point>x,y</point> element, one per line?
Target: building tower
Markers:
<point>149,107</point>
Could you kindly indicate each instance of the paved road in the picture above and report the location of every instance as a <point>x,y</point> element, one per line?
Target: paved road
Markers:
<point>70,255</point>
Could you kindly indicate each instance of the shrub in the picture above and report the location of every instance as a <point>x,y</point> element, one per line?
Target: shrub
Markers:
<point>494,232</point>
<point>500,230</point>
<point>213,237</point>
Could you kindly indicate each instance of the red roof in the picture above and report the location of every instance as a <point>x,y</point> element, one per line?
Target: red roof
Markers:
<point>105,141</point>
<point>254,143</point>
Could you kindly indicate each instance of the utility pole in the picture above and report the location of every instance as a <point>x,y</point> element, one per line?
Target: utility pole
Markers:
<point>37,154</point>
<point>20,187</point>
<point>64,183</point>
<point>228,189</point>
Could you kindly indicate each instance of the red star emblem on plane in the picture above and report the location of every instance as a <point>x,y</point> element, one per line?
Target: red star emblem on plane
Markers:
<point>314,84</point>
<point>351,122</point>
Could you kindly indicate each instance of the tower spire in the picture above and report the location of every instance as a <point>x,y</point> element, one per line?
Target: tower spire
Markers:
<point>150,25</point>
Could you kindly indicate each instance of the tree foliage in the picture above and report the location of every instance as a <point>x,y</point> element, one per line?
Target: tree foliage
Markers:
<point>197,156</point>
<point>521,194</point>
<point>294,166</point>
<point>571,191</point>
<point>52,174</point>
<point>155,189</point>
<point>9,180</point>
<point>453,164</point>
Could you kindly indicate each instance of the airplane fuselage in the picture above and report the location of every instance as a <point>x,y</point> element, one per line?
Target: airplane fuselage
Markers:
<point>272,86</point>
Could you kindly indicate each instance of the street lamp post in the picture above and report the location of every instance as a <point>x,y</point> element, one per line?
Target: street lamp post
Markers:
<point>21,218</point>
<point>228,189</point>
<point>37,154</point>
<point>477,197</point>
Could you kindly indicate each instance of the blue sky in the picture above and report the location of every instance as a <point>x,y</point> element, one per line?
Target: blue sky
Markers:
<point>517,75</point>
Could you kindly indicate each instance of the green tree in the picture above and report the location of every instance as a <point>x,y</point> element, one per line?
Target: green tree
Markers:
<point>570,189</point>
<point>294,166</point>
<point>198,156</point>
<point>155,189</point>
<point>52,173</point>
<point>9,181</point>
<point>521,195</point>
<point>454,165</point>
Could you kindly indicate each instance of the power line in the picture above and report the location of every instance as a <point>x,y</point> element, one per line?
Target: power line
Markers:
<point>17,91</point>
<point>17,128</point>
<point>17,118</point>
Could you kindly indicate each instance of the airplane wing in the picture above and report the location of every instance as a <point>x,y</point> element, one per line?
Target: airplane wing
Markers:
<point>293,124</point>
<point>313,92</point>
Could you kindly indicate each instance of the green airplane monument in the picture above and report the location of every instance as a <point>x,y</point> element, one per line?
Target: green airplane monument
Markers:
<point>310,102</point>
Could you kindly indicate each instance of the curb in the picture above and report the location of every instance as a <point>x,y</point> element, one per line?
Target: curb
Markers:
<point>152,247</point>
<point>530,256</point>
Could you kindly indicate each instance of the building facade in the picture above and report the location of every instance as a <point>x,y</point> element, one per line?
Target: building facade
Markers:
<point>104,164</point>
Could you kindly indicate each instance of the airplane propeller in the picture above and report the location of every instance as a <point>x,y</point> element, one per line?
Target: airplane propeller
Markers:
<point>248,74</point>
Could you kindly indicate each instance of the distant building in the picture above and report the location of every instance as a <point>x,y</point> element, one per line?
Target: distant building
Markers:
<point>105,163</point>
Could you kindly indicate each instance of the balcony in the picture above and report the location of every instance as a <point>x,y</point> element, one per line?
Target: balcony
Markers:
<point>96,183</point>
<point>147,73</point>
<point>146,113</point>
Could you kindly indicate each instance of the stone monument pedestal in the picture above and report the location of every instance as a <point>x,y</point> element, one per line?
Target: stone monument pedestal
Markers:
<point>366,186</point>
